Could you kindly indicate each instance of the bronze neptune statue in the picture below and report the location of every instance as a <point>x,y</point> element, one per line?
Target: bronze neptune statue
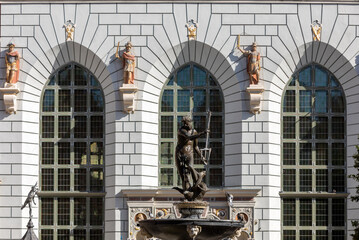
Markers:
<point>186,146</point>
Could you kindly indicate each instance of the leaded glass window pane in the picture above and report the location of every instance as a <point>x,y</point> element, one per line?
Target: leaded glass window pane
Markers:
<point>63,234</point>
<point>167,127</point>
<point>80,179</point>
<point>80,100</point>
<point>64,100</point>
<point>96,234</point>
<point>321,212</point>
<point>80,234</point>
<point>289,180</point>
<point>322,235</point>
<point>199,77</point>
<point>321,77</point>
<point>305,180</point>
<point>96,100</point>
<point>96,126</point>
<point>321,180</point>
<point>166,176</point>
<point>80,211</point>
<point>305,155</point>
<point>47,150</point>
<point>167,150</point>
<point>289,153</point>
<point>96,180</point>
<point>338,235</point>
<point>65,76</point>
<point>305,77</point>
<point>63,178</point>
<point>321,127</point>
<point>47,179</point>
<point>63,153</point>
<point>216,177</point>
<point>47,234</point>
<point>199,100</point>
<point>305,101</point>
<point>80,129</point>
<point>48,127</point>
<point>64,126</point>
<point>305,234</point>
<point>338,127</point>
<point>80,153</point>
<point>338,180</point>
<point>217,153</point>
<point>96,153</point>
<point>321,153</point>
<point>216,127</point>
<point>305,208</point>
<point>48,102</point>
<point>183,100</point>
<point>96,211</point>
<point>289,101</point>
<point>338,212</point>
<point>289,235</point>
<point>289,212</point>
<point>215,100</point>
<point>321,101</point>
<point>183,78</point>
<point>338,154</point>
<point>80,76</point>
<point>288,127</point>
<point>47,208</point>
<point>337,101</point>
<point>63,209</point>
<point>305,127</point>
<point>167,101</point>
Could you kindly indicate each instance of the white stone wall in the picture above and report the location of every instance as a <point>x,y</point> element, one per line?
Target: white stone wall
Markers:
<point>157,30</point>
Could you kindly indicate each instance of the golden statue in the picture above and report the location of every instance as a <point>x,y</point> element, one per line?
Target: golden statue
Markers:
<point>192,29</point>
<point>316,28</point>
<point>70,29</point>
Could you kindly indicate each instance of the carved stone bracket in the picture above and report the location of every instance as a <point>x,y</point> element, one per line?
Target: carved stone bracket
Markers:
<point>128,92</point>
<point>9,95</point>
<point>255,97</point>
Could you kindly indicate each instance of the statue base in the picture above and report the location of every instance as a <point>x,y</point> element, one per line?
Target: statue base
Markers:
<point>128,92</point>
<point>192,210</point>
<point>9,92</point>
<point>30,235</point>
<point>255,96</point>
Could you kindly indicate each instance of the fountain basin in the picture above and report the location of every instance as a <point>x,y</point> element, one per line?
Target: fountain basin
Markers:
<point>176,229</point>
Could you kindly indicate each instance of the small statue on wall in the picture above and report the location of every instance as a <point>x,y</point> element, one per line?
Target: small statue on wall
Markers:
<point>31,199</point>
<point>12,61</point>
<point>316,28</point>
<point>70,29</point>
<point>128,61</point>
<point>253,62</point>
<point>192,29</point>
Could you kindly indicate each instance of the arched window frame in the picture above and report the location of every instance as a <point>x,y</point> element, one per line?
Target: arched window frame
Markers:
<point>59,203</point>
<point>211,84</point>
<point>319,203</point>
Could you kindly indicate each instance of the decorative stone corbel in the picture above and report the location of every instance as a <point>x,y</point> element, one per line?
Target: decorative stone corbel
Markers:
<point>128,92</point>
<point>9,95</point>
<point>255,96</point>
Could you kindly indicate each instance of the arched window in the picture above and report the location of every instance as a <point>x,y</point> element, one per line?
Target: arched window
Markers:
<point>191,90</point>
<point>313,156</point>
<point>72,156</point>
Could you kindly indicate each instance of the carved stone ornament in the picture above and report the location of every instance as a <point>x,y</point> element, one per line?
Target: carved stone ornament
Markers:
<point>69,29</point>
<point>128,92</point>
<point>136,215</point>
<point>316,29</point>
<point>255,96</point>
<point>9,92</point>
<point>244,215</point>
<point>192,29</point>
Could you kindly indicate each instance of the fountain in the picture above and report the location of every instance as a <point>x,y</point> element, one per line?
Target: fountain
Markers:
<point>192,225</point>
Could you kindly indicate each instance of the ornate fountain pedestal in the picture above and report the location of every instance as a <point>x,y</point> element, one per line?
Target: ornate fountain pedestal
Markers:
<point>191,210</point>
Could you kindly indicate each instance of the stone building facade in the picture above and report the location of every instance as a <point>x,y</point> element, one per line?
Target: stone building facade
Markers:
<point>252,150</point>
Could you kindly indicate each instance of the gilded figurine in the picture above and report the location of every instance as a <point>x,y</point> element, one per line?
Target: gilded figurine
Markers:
<point>128,63</point>
<point>70,29</point>
<point>186,146</point>
<point>31,199</point>
<point>192,29</point>
<point>12,61</point>
<point>253,62</point>
<point>316,28</point>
